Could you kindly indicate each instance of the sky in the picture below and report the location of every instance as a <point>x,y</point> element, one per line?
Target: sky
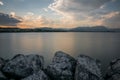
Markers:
<point>59,13</point>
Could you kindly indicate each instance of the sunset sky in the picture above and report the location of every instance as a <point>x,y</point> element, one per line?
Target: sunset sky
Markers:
<point>59,13</point>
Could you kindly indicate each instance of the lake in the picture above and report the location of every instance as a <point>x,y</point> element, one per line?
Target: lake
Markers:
<point>104,46</point>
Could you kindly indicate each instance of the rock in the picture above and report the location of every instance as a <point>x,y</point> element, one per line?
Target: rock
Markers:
<point>2,77</point>
<point>62,67</point>
<point>22,66</point>
<point>37,76</point>
<point>113,72</point>
<point>87,69</point>
<point>2,63</point>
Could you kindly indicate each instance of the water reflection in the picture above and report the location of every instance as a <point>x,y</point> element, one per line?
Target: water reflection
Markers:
<point>6,45</point>
<point>26,43</point>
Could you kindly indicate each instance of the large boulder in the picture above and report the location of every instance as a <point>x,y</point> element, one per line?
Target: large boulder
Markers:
<point>37,76</point>
<point>113,72</point>
<point>22,66</point>
<point>87,68</point>
<point>62,67</point>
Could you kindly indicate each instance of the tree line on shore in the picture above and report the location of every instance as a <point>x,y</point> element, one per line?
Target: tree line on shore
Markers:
<point>77,29</point>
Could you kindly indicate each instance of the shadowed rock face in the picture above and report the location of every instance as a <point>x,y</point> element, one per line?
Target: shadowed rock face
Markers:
<point>22,66</point>
<point>37,76</point>
<point>113,72</point>
<point>62,67</point>
<point>2,63</point>
<point>87,69</point>
<point>2,77</point>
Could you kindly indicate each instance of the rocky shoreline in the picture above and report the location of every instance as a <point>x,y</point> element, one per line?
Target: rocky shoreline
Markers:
<point>62,67</point>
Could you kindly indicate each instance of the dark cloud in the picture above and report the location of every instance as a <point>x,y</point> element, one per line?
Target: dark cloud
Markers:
<point>111,6</point>
<point>89,10</point>
<point>90,4</point>
<point>77,5</point>
<point>7,20</point>
<point>78,9</point>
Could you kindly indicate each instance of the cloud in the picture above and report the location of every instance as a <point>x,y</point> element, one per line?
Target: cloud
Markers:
<point>112,20</point>
<point>30,13</point>
<point>36,21</point>
<point>76,7</point>
<point>13,14</point>
<point>111,6</point>
<point>32,21</point>
<point>86,12</point>
<point>1,3</point>
<point>28,16</point>
<point>7,20</point>
<point>45,9</point>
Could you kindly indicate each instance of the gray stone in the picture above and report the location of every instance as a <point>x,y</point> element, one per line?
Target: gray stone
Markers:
<point>87,68</point>
<point>23,65</point>
<point>62,67</point>
<point>2,63</point>
<point>2,76</point>
<point>113,72</point>
<point>37,76</point>
<point>3,79</point>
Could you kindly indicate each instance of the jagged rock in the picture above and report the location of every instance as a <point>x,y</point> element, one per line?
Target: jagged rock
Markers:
<point>87,69</point>
<point>62,67</point>
<point>22,66</point>
<point>113,72</point>
<point>2,77</point>
<point>2,63</point>
<point>37,76</point>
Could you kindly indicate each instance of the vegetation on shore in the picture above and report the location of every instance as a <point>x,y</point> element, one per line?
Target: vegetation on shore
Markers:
<point>47,29</point>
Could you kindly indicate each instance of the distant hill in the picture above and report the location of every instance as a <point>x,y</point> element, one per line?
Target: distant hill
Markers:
<point>90,29</point>
<point>77,29</point>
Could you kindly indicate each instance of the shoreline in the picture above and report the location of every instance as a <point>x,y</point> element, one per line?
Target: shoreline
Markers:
<point>63,65</point>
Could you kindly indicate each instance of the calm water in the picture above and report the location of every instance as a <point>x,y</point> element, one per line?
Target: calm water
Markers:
<point>103,46</point>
